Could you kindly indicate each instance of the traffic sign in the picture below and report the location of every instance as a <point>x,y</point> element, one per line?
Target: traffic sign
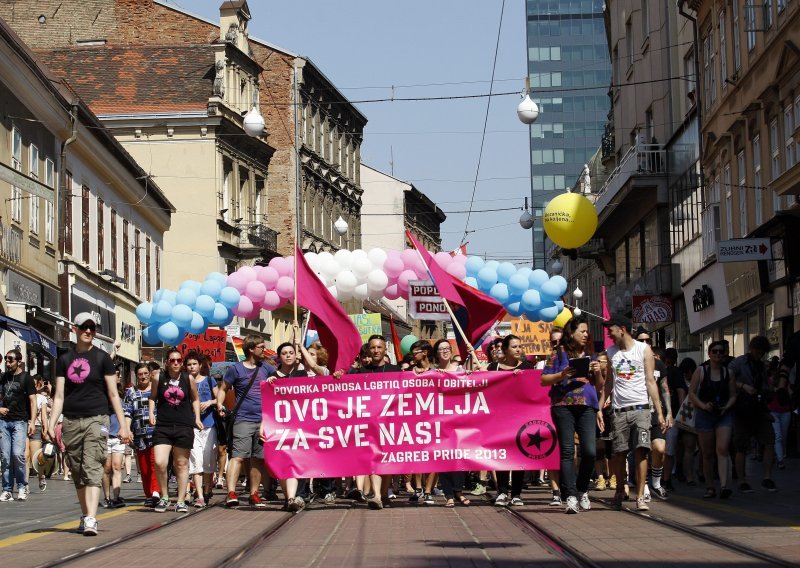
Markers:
<point>738,250</point>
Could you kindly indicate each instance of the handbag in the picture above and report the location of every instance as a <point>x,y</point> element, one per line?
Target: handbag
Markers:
<point>231,418</point>
<point>686,416</point>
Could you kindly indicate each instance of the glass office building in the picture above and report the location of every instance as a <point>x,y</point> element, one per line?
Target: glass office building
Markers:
<point>570,74</point>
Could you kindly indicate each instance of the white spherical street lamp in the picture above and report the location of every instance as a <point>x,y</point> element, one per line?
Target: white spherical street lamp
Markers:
<point>527,110</point>
<point>253,122</point>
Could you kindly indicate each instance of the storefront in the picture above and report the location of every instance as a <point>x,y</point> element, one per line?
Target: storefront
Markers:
<point>128,337</point>
<point>84,298</point>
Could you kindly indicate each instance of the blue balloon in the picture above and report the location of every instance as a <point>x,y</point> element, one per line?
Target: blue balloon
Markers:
<point>471,281</point>
<point>150,335</point>
<point>559,305</point>
<point>169,333</point>
<point>487,278</point>
<point>229,319</point>
<point>561,282</point>
<point>187,297</point>
<point>169,296</point>
<point>229,297</point>
<point>531,300</point>
<point>551,289</point>
<point>186,284</point>
<point>198,324</point>
<point>204,306</point>
<point>217,277</point>
<point>499,292</point>
<point>537,278</point>
<point>211,288</point>
<point>518,283</point>
<point>493,264</point>
<point>549,314</point>
<point>157,296</point>
<point>144,312</point>
<point>182,315</point>
<point>219,315</point>
<point>532,315</point>
<point>525,271</point>
<point>162,311</point>
<point>505,271</point>
<point>514,309</point>
<point>474,265</point>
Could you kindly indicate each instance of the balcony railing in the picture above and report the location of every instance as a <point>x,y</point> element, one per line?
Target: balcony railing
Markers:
<point>639,160</point>
<point>260,236</point>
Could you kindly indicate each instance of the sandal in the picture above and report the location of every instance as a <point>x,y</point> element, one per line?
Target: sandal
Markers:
<point>450,504</point>
<point>463,500</point>
<point>710,493</point>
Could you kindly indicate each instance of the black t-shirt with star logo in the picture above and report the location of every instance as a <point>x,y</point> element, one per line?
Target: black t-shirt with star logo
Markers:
<point>15,391</point>
<point>84,375</point>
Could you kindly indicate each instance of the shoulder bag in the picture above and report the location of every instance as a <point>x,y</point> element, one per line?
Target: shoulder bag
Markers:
<point>231,417</point>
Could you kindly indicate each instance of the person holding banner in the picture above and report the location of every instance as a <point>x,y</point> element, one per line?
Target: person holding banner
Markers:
<point>377,351</point>
<point>572,375</point>
<point>512,360</point>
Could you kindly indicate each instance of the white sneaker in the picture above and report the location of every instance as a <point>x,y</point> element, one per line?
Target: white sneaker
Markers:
<point>572,505</point>
<point>517,502</point>
<point>501,500</point>
<point>22,494</point>
<point>584,502</point>
<point>647,494</point>
<point>89,526</point>
<point>6,496</point>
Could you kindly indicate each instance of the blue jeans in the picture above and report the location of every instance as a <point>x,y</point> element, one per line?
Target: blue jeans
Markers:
<point>568,420</point>
<point>13,434</point>
<point>781,427</point>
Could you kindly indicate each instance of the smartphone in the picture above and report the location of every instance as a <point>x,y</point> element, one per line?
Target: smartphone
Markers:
<point>581,366</point>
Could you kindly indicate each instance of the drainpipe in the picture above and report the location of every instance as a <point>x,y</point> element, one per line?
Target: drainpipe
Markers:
<point>59,201</point>
<point>697,97</point>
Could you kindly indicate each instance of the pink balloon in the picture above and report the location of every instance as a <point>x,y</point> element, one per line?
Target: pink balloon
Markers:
<point>405,276</point>
<point>460,259</point>
<point>421,273</point>
<point>276,262</point>
<point>443,259</point>
<point>245,307</point>
<point>255,291</point>
<point>268,276</point>
<point>272,301</point>
<point>391,292</point>
<point>457,270</point>
<point>285,287</point>
<point>393,266</point>
<point>410,258</point>
<point>237,281</point>
<point>248,273</point>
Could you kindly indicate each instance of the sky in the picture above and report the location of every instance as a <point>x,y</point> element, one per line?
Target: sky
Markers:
<point>424,48</point>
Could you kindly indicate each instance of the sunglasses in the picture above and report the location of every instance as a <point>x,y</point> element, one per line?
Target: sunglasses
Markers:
<point>88,327</point>
<point>11,358</point>
<point>175,360</point>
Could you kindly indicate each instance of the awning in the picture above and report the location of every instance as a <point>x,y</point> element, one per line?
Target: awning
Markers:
<point>29,335</point>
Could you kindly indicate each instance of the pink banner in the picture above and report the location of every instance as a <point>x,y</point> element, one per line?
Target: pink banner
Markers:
<point>393,423</point>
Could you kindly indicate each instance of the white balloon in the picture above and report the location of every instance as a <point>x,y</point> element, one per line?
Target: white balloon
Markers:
<point>377,257</point>
<point>361,266</point>
<point>344,257</point>
<point>375,294</point>
<point>329,267</point>
<point>377,280</point>
<point>311,259</point>
<point>323,257</point>
<point>334,292</point>
<point>346,281</point>
<point>361,292</point>
<point>344,296</point>
<point>358,253</point>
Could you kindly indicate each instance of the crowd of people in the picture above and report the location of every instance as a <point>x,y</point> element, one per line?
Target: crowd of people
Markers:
<point>613,411</point>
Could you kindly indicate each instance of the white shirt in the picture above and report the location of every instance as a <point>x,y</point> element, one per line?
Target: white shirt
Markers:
<point>630,386</point>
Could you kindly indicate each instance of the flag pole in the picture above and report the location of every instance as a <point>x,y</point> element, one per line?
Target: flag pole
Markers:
<point>295,284</point>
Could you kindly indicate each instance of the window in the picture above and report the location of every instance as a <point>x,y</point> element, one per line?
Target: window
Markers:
<point>67,221</point>
<point>629,42</point>
<point>33,222</point>
<point>137,261</point>
<point>740,165</point>
<point>225,203</point>
<point>101,244</point>
<point>709,69</point>
<point>125,253</point>
<point>16,163</point>
<point>737,57</point>
<point>750,23</point>
<point>797,126</point>
<point>49,205</point>
<point>774,149</point>
<point>726,180</point>
<point>723,51</point>
<point>711,229</point>
<point>651,242</point>
<point>113,240</point>
<point>645,19</point>
<point>85,224</point>
<point>147,267</point>
<point>635,255</point>
<point>758,190</point>
<point>615,66</point>
<point>781,5</point>
<point>767,14</point>
<point>621,263</point>
<point>788,129</point>
<point>158,268</point>
<point>689,72</point>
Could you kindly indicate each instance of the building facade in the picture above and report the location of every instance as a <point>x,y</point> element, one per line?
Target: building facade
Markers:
<point>568,67</point>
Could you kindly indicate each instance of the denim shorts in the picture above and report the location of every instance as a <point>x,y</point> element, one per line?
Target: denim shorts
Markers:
<point>705,421</point>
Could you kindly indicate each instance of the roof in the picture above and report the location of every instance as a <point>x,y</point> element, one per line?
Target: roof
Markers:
<point>66,97</point>
<point>120,79</point>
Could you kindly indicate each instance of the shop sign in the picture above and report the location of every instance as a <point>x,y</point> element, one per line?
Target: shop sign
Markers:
<point>22,289</point>
<point>743,282</point>
<point>128,333</point>
<point>653,309</point>
<point>738,250</point>
<point>106,319</point>
<point>424,302</point>
<point>702,298</point>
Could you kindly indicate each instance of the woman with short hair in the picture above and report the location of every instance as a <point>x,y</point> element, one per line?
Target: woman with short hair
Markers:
<point>203,457</point>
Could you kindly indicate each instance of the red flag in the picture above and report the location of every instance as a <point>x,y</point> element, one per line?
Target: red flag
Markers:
<point>475,311</point>
<point>398,353</point>
<point>337,332</point>
<point>607,341</point>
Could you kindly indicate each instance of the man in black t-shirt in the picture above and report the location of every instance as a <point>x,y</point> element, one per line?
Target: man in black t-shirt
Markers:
<point>86,387</point>
<point>377,351</point>
<point>17,421</point>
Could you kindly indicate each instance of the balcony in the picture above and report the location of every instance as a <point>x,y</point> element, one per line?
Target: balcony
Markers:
<point>658,280</point>
<point>259,236</point>
<point>641,161</point>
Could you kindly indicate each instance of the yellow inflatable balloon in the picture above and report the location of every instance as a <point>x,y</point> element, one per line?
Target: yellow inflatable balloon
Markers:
<point>570,220</point>
<point>562,318</point>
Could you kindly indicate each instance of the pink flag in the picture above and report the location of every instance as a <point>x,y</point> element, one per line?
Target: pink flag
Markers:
<point>607,341</point>
<point>337,332</point>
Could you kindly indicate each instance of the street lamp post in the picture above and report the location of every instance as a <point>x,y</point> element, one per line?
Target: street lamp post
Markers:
<point>528,112</point>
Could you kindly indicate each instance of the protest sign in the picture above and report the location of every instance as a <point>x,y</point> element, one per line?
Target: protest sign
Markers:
<point>368,325</point>
<point>393,423</point>
<point>534,335</point>
<point>211,343</point>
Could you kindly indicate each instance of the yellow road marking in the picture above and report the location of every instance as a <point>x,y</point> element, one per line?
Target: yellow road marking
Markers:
<point>25,537</point>
<point>764,517</point>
